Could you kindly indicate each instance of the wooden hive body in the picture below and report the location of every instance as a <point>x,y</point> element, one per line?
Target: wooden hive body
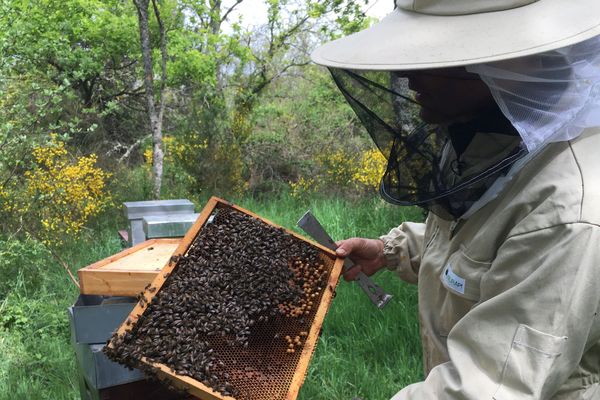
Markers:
<point>263,370</point>
<point>129,271</point>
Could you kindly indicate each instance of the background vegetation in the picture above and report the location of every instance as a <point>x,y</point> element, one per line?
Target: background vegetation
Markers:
<point>246,117</point>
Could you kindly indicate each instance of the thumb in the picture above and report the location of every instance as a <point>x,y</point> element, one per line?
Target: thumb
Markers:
<point>345,247</point>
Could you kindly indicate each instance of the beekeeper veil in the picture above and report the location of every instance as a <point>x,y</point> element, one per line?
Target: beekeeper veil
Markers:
<point>455,169</point>
<point>538,57</point>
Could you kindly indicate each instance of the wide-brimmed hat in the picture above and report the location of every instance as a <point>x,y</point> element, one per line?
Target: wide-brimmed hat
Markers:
<point>423,34</point>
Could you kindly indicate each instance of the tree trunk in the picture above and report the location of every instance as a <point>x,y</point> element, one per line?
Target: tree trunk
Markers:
<point>155,115</point>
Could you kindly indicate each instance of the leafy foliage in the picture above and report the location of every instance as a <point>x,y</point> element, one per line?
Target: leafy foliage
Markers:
<point>58,194</point>
<point>21,264</point>
<point>77,54</point>
<point>352,173</point>
<point>73,64</point>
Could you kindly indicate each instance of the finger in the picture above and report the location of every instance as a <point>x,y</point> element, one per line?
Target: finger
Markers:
<point>341,249</point>
<point>346,247</point>
<point>352,273</point>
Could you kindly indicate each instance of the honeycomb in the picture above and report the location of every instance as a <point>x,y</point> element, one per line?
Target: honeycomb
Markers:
<point>251,330</point>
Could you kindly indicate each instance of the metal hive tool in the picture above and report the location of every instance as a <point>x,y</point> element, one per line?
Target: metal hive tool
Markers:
<point>309,224</point>
<point>268,356</point>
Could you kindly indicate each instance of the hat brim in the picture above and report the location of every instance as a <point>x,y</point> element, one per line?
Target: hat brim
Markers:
<point>406,40</point>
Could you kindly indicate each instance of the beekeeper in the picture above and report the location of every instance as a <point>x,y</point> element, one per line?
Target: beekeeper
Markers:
<point>488,112</point>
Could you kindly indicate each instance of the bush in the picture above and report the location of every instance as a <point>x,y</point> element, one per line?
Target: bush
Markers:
<point>22,265</point>
<point>57,194</point>
<point>353,173</point>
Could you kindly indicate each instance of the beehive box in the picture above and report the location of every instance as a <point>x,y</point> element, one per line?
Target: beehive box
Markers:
<point>235,314</point>
<point>129,271</point>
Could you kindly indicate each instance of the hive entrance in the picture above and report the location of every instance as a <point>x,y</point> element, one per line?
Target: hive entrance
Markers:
<point>238,312</point>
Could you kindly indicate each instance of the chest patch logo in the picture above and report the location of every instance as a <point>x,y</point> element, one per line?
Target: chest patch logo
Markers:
<point>453,281</point>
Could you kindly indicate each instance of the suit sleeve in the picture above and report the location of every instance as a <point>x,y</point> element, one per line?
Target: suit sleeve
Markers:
<point>537,315</point>
<point>402,248</point>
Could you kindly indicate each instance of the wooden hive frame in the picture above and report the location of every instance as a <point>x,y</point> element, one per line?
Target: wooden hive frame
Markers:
<point>195,387</point>
<point>129,271</point>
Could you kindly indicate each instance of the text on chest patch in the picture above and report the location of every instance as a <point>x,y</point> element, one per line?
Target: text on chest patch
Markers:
<point>453,281</point>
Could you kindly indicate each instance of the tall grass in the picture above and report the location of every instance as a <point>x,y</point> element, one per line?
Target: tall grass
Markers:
<point>36,358</point>
<point>362,351</point>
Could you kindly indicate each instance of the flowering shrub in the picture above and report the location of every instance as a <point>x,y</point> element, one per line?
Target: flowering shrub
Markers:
<point>58,194</point>
<point>370,169</point>
<point>302,187</point>
<point>338,167</point>
<point>178,152</point>
<point>343,170</point>
<point>176,149</point>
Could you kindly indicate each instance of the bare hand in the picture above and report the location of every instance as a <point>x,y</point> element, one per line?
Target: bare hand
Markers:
<point>367,255</point>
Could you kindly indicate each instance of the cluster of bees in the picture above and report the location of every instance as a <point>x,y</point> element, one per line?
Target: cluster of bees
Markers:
<point>236,279</point>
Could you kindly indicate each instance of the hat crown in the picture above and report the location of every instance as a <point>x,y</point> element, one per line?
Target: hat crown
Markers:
<point>459,7</point>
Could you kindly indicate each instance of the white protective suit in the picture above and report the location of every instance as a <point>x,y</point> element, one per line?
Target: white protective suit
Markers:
<point>509,295</point>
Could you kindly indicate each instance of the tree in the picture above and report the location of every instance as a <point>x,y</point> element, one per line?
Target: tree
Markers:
<point>155,112</point>
<point>67,67</point>
<point>287,39</point>
<point>72,65</point>
<point>244,64</point>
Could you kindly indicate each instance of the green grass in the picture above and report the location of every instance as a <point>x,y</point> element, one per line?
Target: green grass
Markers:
<point>36,358</point>
<point>362,351</point>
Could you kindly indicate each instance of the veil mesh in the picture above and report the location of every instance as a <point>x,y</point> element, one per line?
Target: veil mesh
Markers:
<point>548,97</point>
<point>431,166</point>
<point>455,170</point>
